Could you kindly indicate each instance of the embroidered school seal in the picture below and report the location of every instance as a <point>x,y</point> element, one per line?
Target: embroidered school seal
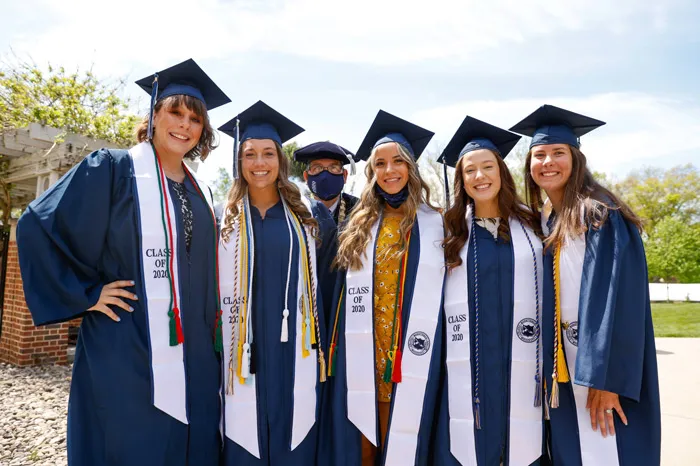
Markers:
<point>527,330</point>
<point>572,333</point>
<point>419,343</point>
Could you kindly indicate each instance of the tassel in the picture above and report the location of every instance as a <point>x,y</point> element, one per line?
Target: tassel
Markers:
<point>389,368</point>
<point>331,360</point>
<point>546,405</point>
<point>173,328</point>
<point>218,335</point>
<point>245,363</point>
<point>284,338</point>
<point>253,369</point>
<point>477,413</point>
<point>396,373</point>
<point>178,326</point>
<point>554,403</point>
<point>322,364</point>
<point>231,377</point>
<point>538,392</point>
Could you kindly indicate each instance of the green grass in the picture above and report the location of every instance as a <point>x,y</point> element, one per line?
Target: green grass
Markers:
<point>676,319</point>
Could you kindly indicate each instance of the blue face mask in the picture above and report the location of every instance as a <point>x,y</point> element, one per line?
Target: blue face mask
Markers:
<point>394,200</point>
<point>326,185</point>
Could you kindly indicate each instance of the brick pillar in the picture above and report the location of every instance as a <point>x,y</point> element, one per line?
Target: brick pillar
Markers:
<point>21,342</point>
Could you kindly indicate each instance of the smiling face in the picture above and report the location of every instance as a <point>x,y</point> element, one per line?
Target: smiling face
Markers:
<point>390,168</point>
<point>260,164</point>
<point>482,176</point>
<point>177,130</point>
<point>550,167</point>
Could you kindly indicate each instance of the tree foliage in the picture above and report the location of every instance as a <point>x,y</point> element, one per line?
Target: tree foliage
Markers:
<point>673,251</point>
<point>655,194</point>
<point>222,185</point>
<point>76,101</point>
<point>296,169</point>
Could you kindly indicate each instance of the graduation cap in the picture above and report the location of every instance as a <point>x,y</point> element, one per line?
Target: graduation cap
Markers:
<point>185,78</point>
<point>325,150</point>
<point>475,134</point>
<point>259,121</point>
<point>553,125</point>
<point>389,128</point>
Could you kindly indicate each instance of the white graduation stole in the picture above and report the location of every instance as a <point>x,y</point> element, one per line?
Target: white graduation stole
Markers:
<point>595,449</point>
<point>402,434</point>
<point>525,420</point>
<point>240,413</point>
<point>167,362</point>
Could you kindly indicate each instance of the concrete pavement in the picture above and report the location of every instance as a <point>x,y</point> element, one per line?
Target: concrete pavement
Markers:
<point>679,379</point>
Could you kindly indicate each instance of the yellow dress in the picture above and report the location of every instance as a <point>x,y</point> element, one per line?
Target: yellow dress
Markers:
<point>386,277</point>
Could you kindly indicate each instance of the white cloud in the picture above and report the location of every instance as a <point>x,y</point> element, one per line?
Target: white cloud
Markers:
<point>362,31</point>
<point>641,129</point>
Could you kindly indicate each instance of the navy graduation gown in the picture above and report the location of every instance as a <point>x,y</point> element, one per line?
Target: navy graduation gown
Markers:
<point>495,337</point>
<point>341,436</point>
<point>616,349</point>
<point>80,235</point>
<point>272,360</point>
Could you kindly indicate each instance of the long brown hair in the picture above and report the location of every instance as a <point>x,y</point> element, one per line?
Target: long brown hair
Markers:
<point>207,141</point>
<point>509,205</point>
<point>586,202</point>
<point>356,235</point>
<point>288,191</point>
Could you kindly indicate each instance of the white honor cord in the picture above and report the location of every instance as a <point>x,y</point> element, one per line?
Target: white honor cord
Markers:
<point>245,370</point>
<point>284,337</point>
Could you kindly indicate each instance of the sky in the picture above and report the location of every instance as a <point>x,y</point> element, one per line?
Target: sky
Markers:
<point>330,66</point>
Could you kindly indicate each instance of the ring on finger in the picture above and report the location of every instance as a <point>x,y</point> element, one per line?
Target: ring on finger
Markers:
<point>608,411</point>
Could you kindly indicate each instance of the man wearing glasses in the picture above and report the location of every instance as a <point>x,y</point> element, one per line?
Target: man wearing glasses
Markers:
<point>326,175</point>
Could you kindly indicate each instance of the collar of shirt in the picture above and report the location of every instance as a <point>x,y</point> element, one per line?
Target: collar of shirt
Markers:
<point>335,204</point>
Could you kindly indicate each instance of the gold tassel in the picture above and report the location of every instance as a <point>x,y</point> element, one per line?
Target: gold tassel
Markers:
<point>322,364</point>
<point>554,403</point>
<point>231,376</point>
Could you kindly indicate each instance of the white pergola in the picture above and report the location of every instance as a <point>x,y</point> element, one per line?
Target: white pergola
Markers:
<point>37,156</point>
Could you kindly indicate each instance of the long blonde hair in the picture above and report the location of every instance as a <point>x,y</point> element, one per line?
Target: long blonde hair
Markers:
<point>356,235</point>
<point>288,191</point>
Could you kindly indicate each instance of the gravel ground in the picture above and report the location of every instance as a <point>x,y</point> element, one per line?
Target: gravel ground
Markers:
<point>33,410</point>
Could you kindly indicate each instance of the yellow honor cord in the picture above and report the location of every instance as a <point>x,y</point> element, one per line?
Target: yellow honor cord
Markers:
<point>243,304</point>
<point>562,371</point>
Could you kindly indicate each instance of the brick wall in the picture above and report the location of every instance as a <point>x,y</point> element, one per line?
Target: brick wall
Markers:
<point>21,342</point>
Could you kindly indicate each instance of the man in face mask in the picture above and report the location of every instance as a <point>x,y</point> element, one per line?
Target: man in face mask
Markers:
<point>326,175</point>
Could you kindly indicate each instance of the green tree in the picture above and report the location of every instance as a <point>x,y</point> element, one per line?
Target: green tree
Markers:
<point>516,165</point>
<point>74,100</point>
<point>296,169</point>
<point>673,251</point>
<point>655,194</point>
<point>222,185</point>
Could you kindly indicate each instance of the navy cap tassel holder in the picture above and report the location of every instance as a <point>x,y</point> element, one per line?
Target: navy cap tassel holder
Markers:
<point>154,96</point>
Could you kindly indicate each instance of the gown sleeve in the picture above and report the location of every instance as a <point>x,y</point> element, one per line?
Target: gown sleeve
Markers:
<point>613,308</point>
<point>60,240</point>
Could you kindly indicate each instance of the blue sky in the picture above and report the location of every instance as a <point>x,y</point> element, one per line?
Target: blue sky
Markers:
<point>330,66</point>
